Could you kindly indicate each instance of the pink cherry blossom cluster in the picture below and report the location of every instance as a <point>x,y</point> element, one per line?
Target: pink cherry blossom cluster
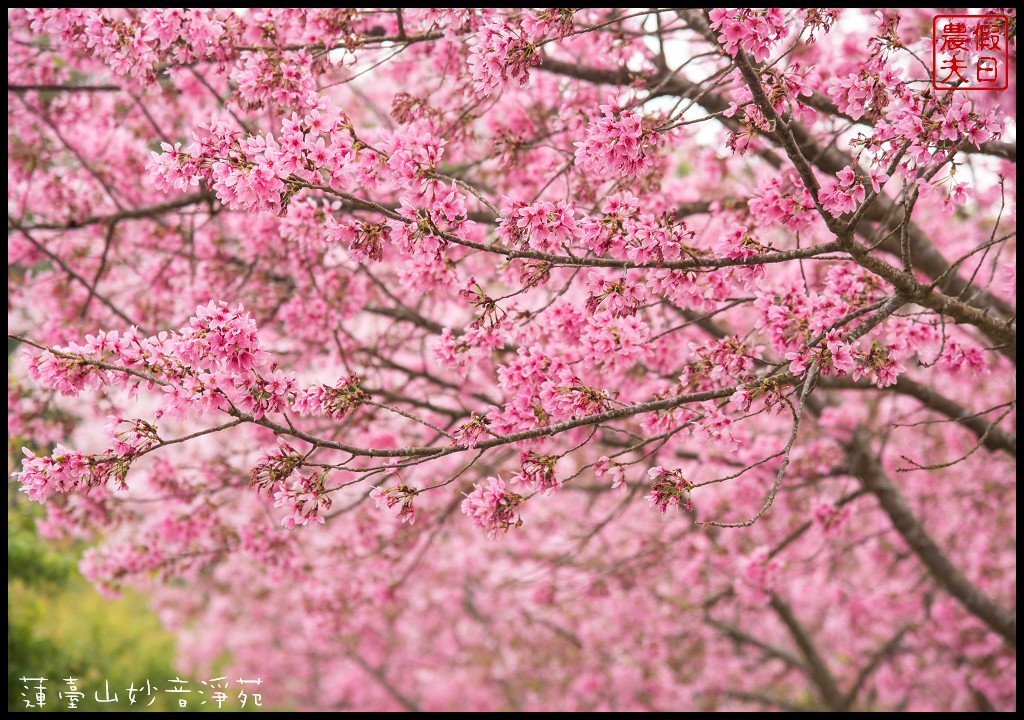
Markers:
<point>400,496</point>
<point>304,496</point>
<point>537,473</point>
<point>783,199</point>
<point>135,45</point>
<point>220,337</point>
<point>218,348</point>
<point>786,90</point>
<point>586,250</point>
<point>544,226</point>
<point>751,120</point>
<point>415,236</point>
<point>501,56</point>
<point>109,566</point>
<point>869,92</point>
<point>739,244</point>
<point>961,358</point>
<point>283,79</point>
<point>624,230</point>
<point>471,432</point>
<point>930,128</point>
<point>713,427</point>
<point>717,362</point>
<point>137,437</point>
<point>459,353</point>
<point>365,240</point>
<point>621,297</point>
<point>606,468</point>
<point>880,365</point>
<point>490,312</point>
<point>819,19</point>
<point>493,508</point>
<point>329,401</point>
<point>560,396</point>
<point>409,158</point>
<point>621,143</point>
<point>756,31</point>
<point>66,471</point>
<point>795,319</point>
<point>669,489</point>
<point>276,466</point>
<point>614,344</point>
<point>844,194</point>
<point>214,362</point>
<point>553,23</point>
<point>830,517</point>
<point>522,380</point>
<point>250,171</point>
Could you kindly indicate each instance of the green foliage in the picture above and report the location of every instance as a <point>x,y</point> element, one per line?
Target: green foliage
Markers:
<point>59,626</point>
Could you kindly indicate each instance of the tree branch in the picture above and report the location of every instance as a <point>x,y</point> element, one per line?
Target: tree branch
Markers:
<point>819,671</point>
<point>996,438</point>
<point>865,465</point>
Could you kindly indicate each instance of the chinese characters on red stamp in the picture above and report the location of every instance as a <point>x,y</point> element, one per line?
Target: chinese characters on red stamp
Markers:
<point>970,52</point>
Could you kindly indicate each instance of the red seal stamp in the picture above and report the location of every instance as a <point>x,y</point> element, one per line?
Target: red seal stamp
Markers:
<point>970,52</point>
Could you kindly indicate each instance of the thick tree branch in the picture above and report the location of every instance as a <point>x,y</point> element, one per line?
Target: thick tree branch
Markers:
<point>735,633</point>
<point>381,679</point>
<point>800,142</point>
<point>819,671</point>
<point>997,438</point>
<point>865,465</point>
<point>144,211</point>
<point>54,88</point>
<point>1003,333</point>
<point>877,658</point>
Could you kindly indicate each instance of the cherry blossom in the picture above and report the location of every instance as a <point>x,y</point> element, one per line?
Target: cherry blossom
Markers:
<point>525,359</point>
